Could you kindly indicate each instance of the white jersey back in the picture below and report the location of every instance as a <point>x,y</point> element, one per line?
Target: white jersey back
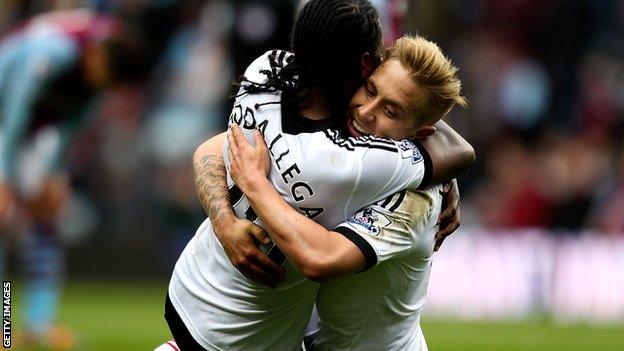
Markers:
<point>320,174</point>
<point>380,309</point>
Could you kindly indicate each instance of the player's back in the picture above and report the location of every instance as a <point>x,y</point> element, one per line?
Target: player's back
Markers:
<point>380,309</point>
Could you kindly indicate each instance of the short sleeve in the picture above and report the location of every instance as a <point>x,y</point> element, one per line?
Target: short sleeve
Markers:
<point>387,167</point>
<point>271,61</point>
<point>390,227</point>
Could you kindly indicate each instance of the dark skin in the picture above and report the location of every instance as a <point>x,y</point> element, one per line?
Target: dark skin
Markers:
<point>449,219</point>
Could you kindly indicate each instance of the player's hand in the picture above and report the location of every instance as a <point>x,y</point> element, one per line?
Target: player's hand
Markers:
<point>8,205</point>
<point>247,163</point>
<point>240,240</point>
<point>450,216</point>
<point>54,196</point>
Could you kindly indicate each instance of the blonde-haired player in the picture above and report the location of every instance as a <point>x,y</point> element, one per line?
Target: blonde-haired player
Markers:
<point>393,239</point>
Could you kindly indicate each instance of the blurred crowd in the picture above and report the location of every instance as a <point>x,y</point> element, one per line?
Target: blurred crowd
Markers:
<point>545,80</point>
<point>546,84</point>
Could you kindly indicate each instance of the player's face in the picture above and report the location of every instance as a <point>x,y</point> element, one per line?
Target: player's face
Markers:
<point>385,104</point>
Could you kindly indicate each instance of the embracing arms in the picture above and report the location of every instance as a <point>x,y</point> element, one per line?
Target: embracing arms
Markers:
<point>212,190</point>
<point>239,237</point>
<point>318,253</point>
<point>451,155</point>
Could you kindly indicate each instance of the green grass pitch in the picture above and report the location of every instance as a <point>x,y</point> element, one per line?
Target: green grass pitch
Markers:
<point>128,316</point>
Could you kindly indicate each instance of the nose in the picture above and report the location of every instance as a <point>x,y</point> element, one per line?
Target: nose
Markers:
<point>367,111</point>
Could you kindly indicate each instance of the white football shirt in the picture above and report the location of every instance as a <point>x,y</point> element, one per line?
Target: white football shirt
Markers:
<point>324,176</point>
<point>380,309</point>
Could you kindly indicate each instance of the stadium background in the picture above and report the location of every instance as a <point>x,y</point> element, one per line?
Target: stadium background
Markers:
<point>538,261</point>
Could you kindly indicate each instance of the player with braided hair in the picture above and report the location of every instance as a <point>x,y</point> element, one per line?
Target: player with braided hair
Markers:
<point>330,27</point>
<point>329,40</point>
<point>292,100</point>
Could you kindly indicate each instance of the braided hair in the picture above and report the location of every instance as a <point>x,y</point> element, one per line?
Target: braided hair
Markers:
<point>328,39</point>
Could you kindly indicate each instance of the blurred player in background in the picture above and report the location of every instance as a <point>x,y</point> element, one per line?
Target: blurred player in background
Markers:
<point>51,69</point>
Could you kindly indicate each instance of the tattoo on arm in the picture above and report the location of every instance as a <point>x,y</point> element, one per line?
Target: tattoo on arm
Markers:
<point>212,188</point>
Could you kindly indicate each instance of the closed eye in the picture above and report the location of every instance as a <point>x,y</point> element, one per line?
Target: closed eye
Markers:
<point>369,88</point>
<point>390,112</point>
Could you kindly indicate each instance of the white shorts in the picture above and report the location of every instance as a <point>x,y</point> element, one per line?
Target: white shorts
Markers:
<point>168,346</point>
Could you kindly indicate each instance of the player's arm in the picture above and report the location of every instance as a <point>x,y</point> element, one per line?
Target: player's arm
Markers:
<point>387,166</point>
<point>237,236</point>
<point>449,153</point>
<point>211,185</point>
<point>320,254</point>
<point>433,160</point>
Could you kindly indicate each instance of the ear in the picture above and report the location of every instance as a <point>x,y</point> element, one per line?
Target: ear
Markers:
<point>424,132</point>
<point>367,65</point>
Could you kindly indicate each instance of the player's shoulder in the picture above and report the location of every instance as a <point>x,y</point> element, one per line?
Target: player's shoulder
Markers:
<point>272,61</point>
<point>257,73</point>
<point>250,110</point>
<point>365,142</point>
<point>431,194</point>
<point>411,206</point>
<point>421,203</point>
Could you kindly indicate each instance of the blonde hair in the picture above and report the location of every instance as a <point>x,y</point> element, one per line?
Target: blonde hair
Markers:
<point>431,70</point>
